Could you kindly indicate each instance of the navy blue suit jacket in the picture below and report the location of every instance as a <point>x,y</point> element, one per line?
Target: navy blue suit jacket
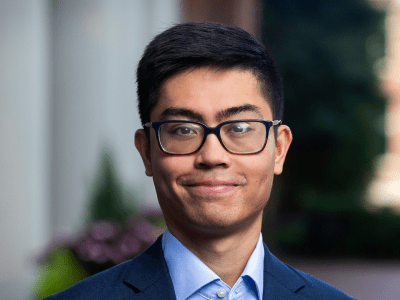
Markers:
<point>146,277</point>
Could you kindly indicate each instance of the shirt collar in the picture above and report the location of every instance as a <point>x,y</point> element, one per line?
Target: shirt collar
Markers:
<point>189,273</point>
<point>255,267</point>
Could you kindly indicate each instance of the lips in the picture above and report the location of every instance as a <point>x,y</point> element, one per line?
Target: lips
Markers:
<point>211,186</point>
<point>214,189</point>
<point>213,183</point>
<point>189,180</point>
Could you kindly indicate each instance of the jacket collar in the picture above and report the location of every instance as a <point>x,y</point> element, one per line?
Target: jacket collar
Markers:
<point>279,278</point>
<point>148,274</point>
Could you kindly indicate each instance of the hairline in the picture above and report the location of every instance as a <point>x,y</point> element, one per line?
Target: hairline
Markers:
<point>265,91</point>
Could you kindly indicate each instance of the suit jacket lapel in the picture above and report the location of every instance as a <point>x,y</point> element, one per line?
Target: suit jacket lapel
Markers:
<point>149,275</point>
<point>280,282</point>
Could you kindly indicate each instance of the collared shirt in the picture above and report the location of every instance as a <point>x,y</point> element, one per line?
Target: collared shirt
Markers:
<point>193,280</point>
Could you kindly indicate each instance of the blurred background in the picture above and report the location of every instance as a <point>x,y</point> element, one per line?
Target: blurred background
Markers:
<point>71,176</point>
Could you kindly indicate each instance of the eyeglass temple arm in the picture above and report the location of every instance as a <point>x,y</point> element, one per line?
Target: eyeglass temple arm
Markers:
<point>276,122</point>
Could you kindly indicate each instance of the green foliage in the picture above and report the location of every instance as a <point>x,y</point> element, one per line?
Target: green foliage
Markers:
<point>114,232</point>
<point>110,200</point>
<point>327,52</point>
<point>352,234</point>
<point>60,271</point>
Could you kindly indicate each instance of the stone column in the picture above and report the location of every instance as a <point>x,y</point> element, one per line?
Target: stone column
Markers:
<point>96,47</point>
<point>24,141</point>
<point>385,189</point>
<point>67,88</point>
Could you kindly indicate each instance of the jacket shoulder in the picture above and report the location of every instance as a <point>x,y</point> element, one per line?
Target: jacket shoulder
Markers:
<point>143,277</point>
<point>286,282</point>
<point>315,288</point>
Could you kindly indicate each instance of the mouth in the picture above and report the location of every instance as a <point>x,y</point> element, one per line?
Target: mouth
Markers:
<point>212,187</point>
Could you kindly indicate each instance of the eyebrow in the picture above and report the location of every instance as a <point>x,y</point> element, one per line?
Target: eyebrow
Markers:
<point>181,112</point>
<point>235,110</point>
<point>224,114</point>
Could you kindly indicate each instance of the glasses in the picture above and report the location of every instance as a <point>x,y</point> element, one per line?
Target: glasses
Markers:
<point>238,136</point>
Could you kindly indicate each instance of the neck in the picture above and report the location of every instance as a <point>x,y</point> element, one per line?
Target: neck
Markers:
<point>226,255</point>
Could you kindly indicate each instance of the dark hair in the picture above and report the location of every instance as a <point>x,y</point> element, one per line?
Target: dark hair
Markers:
<point>196,44</point>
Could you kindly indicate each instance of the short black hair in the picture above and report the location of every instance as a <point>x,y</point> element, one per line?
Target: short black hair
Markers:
<point>195,44</point>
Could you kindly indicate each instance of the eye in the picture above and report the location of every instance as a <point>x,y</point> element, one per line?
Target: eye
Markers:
<point>239,128</point>
<point>185,130</point>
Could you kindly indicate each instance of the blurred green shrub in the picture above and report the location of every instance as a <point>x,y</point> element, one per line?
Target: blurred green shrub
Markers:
<point>115,231</point>
<point>356,234</point>
<point>57,272</point>
<point>110,199</point>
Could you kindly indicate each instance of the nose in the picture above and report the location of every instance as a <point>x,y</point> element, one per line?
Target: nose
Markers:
<point>212,154</point>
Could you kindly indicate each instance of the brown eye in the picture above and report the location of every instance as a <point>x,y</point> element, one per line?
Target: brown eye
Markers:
<point>184,130</point>
<point>239,128</point>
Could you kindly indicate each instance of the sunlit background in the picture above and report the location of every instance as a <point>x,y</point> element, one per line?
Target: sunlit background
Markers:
<point>68,117</point>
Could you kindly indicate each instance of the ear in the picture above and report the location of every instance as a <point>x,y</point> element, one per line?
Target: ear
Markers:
<point>283,141</point>
<point>143,146</point>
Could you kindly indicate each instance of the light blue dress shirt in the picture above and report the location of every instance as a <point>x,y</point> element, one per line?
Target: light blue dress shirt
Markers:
<point>193,280</point>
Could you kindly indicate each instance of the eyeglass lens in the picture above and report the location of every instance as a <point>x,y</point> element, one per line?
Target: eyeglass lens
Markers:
<point>238,137</point>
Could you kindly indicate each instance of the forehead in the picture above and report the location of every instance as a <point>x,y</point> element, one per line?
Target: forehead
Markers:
<point>208,91</point>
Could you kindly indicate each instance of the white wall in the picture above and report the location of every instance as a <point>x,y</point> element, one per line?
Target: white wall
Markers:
<point>67,87</point>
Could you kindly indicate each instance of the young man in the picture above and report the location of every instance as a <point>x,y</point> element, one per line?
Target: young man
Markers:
<point>211,103</point>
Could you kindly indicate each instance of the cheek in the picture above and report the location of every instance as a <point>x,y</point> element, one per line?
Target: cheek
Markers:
<point>260,173</point>
<point>166,170</point>
<point>163,179</point>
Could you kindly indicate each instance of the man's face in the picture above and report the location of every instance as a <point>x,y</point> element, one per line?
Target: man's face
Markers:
<point>212,190</point>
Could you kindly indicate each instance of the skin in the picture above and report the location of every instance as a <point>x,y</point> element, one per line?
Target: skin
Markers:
<point>213,200</point>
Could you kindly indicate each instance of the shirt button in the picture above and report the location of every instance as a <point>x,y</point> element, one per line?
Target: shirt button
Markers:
<point>221,293</point>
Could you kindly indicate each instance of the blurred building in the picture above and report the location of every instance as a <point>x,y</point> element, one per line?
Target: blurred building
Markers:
<point>385,189</point>
<point>67,89</point>
<point>246,14</point>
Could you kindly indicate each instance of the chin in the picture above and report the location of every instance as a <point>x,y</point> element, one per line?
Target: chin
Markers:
<point>218,225</point>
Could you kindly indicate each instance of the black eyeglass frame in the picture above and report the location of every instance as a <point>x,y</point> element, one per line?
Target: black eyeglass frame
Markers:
<point>207,130</point>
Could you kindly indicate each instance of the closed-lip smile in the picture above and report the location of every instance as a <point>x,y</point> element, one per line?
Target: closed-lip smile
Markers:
<point>211,186</point>
<point>212,183</point>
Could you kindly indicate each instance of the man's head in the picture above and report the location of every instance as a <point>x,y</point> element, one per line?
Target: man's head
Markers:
<point>197,44</point>
<point>211,190</point>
